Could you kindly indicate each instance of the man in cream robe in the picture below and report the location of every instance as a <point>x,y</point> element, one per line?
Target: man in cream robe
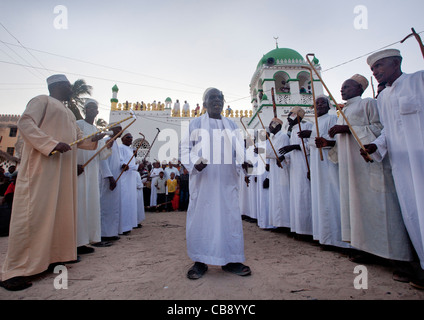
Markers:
<point>128,180</point>
<point>400,106</point>
<point>110,191</point>
<point>89,221</point>
<point>300,185</point>
<point>325,188</point>
<point>370,212</point>
<point>43,223</point>
<point>213,153</point>
<point>279,178</point>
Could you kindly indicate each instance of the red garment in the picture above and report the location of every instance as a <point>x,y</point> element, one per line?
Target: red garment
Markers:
<point>176,200</point>
<point>10,189</point>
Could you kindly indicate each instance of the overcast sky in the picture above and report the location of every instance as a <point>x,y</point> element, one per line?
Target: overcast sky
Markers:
<point>158,49</point>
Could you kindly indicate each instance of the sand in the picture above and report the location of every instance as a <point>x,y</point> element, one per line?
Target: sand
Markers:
<point>151,264</point>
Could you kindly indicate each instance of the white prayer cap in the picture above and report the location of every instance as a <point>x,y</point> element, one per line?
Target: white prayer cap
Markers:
<point>207,91</point>
<point>164,162</point>
<point>372,59</point>
<point>57,78</point>
<point>361,80</point>
<point>88,101</point>
<point>126,132</point>
<point>323,96</point>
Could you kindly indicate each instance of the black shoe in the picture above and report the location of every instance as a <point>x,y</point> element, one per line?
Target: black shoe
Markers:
<point>84,250</point>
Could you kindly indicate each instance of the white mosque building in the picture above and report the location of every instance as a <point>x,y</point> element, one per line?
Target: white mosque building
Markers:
<point>283,69</point>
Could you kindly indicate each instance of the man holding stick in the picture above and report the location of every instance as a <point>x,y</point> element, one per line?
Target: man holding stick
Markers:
<point>43,225</point>
<point>371,220</point>
<point>402,140</point>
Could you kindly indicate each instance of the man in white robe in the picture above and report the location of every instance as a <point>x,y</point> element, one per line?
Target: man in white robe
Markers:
<point>325,187</point>
<point>214,229</point>
<point>262,198</point>
<point>128,180</point>
<point>370,212</point>
<point>154,174</point>
<point>400,106</point>
<point>89,221</point>
<point>176,110</point>
<point>300,185</point>
<point>140,201</point>
<point>279,178</point>
<point>43,220</point>
<point>110,191</point>
<point>186,109</point>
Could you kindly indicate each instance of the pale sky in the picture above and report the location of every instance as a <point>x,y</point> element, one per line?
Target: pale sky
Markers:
<point>158,49</point>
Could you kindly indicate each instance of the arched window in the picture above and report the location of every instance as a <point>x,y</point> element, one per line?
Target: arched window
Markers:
<point>304,82</point>
<point>281,80</point>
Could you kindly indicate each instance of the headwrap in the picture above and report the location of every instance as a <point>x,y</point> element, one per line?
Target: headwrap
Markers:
<point>372,59</point>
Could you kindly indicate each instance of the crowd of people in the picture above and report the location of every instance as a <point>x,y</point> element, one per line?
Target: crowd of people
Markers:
<point>351,181</point>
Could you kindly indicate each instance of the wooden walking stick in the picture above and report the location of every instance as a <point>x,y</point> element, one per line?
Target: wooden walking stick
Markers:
<point>99,131</point>
<point>304,149</point>
<point>340,110</point>
<point>315,108</point>
<point>270,142</point>
<point>151,145</point>
<point>110,141</point>
<point>417,36</point>
<point>135,152</point>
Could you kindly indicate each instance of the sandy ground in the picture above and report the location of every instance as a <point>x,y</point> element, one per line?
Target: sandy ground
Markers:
<point>151,264</point>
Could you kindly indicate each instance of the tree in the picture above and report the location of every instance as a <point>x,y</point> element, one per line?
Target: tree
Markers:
<point>101,123</point>
<point>76,103</point>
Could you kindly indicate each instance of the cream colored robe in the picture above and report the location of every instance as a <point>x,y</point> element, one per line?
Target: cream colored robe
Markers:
<point>43,224</point>
<point>371,219</point>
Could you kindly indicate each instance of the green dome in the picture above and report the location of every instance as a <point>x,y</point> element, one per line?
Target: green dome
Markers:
<point>287,54</point>
<point>168,99</point>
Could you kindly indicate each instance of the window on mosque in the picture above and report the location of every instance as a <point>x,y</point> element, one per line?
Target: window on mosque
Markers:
<point>13,132</point>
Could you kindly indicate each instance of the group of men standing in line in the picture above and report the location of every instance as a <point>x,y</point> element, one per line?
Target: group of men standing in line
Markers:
<point>352,198</point>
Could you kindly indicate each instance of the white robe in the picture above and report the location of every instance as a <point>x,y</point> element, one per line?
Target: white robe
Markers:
<point>128,191</point>
<point>401,112</point>
<point>110,200</point>
<point>325,188</point>
<point>88,218</point>
<point>214,229</point>
<point>279,183</point>
<point>244,197</point>
<point>262,203</point>
<point>154,174</point>
<point>141,215</point>
<point>370,212</point>
<point>300,186</point>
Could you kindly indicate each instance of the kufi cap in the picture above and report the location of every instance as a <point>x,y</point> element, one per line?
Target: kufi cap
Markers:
<point>88,101</point>
<point>164,162</point>
<point>207,91</point>
<point>126,132</point>
<point>298,111</point>
<point>323,96</point>
<point>361,80</point>
<point>56,78</point>
<point>275,122</point>
<point>372,59</point>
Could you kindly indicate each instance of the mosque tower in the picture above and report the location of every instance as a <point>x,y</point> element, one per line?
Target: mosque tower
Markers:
<point>289,74</point>
<point>114,100</point>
